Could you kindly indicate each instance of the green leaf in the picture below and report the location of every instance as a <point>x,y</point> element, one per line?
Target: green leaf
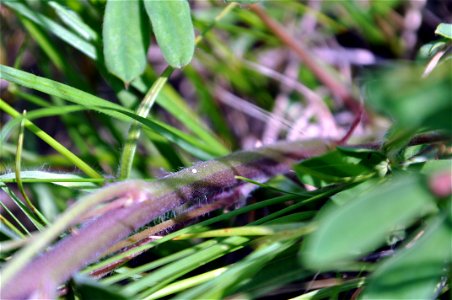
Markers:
<point>159,278</point>
<point>444,30</point>
<point>68,180</point>
<point>341,165</point>
<point>227,282</point>
<point>365,220</point>
<point>173,29</point>
<point>77,96</point>
<point>243,1</point>
<point>125,41</point>
<point>412,101</point>
<point>73,20</point>
<point>430,49</point>
<point>415,271</point>
<point>435,166</point>
<point>69,37</point>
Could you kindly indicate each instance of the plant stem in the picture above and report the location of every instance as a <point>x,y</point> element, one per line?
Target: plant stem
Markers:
<point>18,162</point>
<point>142,202</point>
<point>335,87</point>
<point>135,129</point>
<point>128,153</point>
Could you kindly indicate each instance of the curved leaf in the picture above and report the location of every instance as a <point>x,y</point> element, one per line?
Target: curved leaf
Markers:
<point>350,231</point>
<point>173,29</point>
<point>414,272</point>
<point>444,30</point>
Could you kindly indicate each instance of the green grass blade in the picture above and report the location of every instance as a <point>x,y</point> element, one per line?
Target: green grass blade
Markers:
<point>27,212</point>
<point>18,162</point>
<point>227,282</point>
<point>185,141</point>
<point>73,20</point>
<point>184,284</point>
<point>135,129</point>
<point>55,28</point>
<point>170,100</point>
<point>13,216</point>
<point>156,280</point>
<point>52,142</point>
<point>62,179</point>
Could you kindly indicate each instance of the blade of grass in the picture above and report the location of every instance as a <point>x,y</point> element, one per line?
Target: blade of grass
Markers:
<point>135,129</point>
<point>13,216</point>
<point>58,30</point>
<point>27,212</point>
<point>45,44</point>
<point>186,283</point>
<point>147,103</point>
<point>158,279</point>
<point>52,142</point>
<point>38,113</point>
<point>190,144</point>
<point>72,19</point>
<point>200,226</point>
<point>243,231</point>
<point>226,283</point>
<point>11,227</point>
<point>171,101</point>
<point>155,264</point>
<point>18,168</point>
<point>38,101</point>
<point>68,180</point>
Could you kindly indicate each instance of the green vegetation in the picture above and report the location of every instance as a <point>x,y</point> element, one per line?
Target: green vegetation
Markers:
<point>108,107</point>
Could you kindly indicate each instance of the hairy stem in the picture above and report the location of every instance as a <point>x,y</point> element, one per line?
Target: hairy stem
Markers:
<point>146,202</point>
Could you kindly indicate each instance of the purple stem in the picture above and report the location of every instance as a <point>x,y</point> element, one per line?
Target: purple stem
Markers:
<point>42,276</point>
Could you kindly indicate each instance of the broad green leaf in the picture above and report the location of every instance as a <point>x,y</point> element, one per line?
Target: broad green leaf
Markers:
<point>125,40</point>
<point>430,49</point>
<point>412,101</point>
<point>363,223</point>
<point>173,29</point>
<point>435,166</point>
<point>341,165</point>
<point>415,271</point>
<point>444,30</point>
